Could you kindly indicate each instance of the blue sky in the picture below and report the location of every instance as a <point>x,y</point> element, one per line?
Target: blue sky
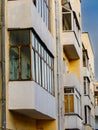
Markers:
<point>90,25</point>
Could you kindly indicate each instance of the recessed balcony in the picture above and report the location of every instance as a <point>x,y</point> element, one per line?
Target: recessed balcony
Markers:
<point>71,80</point>
<point>30,99</point>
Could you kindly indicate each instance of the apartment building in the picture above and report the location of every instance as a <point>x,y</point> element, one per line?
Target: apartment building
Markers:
<point>96,105</point>
<point>30,51</point>
<point>43,80</point>
<point>88,83</point>
<point>72,63</point>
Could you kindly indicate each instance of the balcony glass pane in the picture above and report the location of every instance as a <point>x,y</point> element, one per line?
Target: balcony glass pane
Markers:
<point>20,59</point>
<point>14,64</point>
<point>19,37</point>
<point>71,98</point>
<point>25,63</point>
<point>66,21</point>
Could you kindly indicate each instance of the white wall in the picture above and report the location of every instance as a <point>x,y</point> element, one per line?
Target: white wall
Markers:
<point>28,97</point>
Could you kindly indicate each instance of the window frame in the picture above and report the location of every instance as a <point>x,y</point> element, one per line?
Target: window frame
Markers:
<point>86,86</point>
<point>46,65</point>
<point>43,8</point>
<point>20,47</point>
<point>87,111</point>
<point>76,99</point>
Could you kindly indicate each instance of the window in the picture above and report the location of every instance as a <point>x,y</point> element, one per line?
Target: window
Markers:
<point>42,65</point>
<point>69,90</point>
<point>70,22</point>
<point>96,98</point>
<point>24,56</point>
<point>72,101</point>
<point>69,100</point>
<point>69,103</point>
<point>44,10</point>
<point>86,86</point>
<point>87,114</point>
<point>85,59</point>
<point>66,19</point>
<point>20,66</point>
<point>77,104</point>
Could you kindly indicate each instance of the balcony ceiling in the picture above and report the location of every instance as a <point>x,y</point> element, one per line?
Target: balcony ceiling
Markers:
<point>71,52</point>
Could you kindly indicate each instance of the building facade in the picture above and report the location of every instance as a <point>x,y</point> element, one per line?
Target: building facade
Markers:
<point>72,62</point>
<point>88,83</point>
<point>96,105</point>
<point>46,83</point>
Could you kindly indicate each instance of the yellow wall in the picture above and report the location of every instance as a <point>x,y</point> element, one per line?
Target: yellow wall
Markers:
<point>46,125</point>
<point>73,66</point>
<point>88,128</point>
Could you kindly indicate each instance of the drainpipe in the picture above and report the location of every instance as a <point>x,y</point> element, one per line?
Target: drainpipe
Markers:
<point>59,67</point>
<point>3,119</point>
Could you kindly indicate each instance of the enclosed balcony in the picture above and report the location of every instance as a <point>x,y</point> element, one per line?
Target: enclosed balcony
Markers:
<point>31,89</point>
<point>70,34</point>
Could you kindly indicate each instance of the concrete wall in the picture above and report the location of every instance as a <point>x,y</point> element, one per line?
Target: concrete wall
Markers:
<point>28,97</point>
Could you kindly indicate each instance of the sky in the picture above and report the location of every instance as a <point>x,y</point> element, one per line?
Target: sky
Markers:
<point>90,25</point>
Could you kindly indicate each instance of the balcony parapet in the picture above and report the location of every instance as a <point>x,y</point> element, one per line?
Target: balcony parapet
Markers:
<point>70,45</point>
<point>71,80</point>
<point>30,99</point>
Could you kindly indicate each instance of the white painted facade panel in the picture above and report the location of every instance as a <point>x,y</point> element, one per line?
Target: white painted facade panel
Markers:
<point>71,80</point>
<point>73,122</point>
<point>29,96</point>
<point>23,14</point>
<point>86,72</point>
<point>69,38</point>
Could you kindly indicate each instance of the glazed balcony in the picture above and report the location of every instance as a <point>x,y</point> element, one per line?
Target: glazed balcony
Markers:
<point>70,34</point>
<point>30,99</point>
